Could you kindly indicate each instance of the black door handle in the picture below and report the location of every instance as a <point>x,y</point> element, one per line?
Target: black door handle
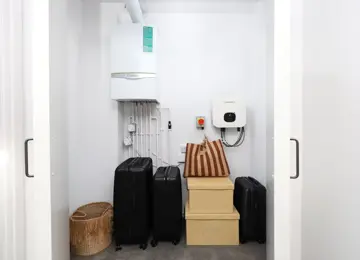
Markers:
<point>297,158</point>
<point>27,158</point>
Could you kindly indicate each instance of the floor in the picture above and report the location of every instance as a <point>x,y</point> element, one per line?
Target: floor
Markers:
<point>167,251</point>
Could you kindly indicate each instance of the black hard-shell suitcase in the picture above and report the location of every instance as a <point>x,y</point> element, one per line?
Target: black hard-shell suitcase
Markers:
<point>167,205</point>
<point>133,202</point>
<point>250,201</point>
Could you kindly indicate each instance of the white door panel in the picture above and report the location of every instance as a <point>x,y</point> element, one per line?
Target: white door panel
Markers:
<point>331,130</point>
<point>41,128</point>
<point>30,217</point>
<point>12,242</point>
<point>296,128</point>
<point>49,130</point>
<point>278,135</point>
<point>295,206</point>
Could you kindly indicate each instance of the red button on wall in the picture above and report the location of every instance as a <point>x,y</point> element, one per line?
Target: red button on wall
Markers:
<point>201,121</point>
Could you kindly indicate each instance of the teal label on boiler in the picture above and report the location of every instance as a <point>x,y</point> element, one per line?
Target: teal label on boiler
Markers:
<point>147,39</point>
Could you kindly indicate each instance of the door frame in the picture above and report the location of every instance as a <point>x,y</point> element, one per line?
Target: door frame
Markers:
<point>12,201</point>
<point>281,106</point>
<point>14,190</point>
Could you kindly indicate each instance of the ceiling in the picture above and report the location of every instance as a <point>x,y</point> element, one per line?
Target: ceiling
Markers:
<point>192,6</point>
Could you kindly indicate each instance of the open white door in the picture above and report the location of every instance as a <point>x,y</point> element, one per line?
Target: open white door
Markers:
<point>12,242</point>
<point>278,132</point>
<point>49,130</point>
<point>331,130</point>
<point>29,182</point>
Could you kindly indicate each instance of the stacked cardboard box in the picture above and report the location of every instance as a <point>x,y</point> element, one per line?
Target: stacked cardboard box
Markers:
<point>211,218</point>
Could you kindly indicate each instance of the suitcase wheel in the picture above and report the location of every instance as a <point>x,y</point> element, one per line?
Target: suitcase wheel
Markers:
<point>118,248</point>
<point>175,242</point>
<point>260,241</point>
<point>154,243</point>
<point>143,246</point>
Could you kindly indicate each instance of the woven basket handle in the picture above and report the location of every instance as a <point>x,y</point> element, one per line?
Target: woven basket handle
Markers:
<point>83,215</point>
<point>106,210</point>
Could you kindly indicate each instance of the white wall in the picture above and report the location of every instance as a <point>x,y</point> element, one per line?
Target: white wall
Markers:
<point>201,56</point>
<point>93,130</point>
<point>331,112</point>
<point>58,128</point>
<point>204,56</point>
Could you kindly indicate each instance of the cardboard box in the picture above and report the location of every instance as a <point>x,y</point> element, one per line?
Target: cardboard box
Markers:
<point>210,195</point>
<point>212,229</point>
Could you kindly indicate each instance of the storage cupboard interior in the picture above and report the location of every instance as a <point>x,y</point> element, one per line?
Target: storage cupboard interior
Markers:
<point>200,54</point>
<point>204,50</point>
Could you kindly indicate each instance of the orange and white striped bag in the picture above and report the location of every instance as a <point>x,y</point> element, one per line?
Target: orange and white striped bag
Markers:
<point>206,160</point>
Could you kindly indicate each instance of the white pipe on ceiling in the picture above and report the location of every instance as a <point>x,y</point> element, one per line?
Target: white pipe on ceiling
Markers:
<point>135,11</point>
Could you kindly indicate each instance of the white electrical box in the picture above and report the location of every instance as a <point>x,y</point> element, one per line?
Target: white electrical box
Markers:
<point>133,63</point>
<point>228,113</point>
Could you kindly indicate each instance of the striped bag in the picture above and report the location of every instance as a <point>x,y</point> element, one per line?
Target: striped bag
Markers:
<point>206,160</point>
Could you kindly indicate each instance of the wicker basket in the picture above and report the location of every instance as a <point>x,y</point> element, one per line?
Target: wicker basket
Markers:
<point>91,228</point>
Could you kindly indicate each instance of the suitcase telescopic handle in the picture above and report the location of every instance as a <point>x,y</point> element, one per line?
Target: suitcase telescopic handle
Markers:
<point>297,147</point>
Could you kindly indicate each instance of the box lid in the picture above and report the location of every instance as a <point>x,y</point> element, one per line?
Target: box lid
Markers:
<point>207,216</point>
<point>210,183</point>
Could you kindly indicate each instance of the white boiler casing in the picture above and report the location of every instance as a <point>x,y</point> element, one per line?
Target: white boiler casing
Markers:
<point>133,63</point>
